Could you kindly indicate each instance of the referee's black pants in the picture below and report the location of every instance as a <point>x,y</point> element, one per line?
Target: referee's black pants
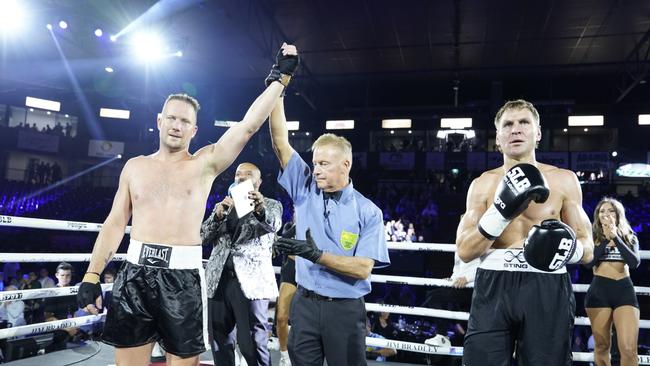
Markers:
<point>326,328</point>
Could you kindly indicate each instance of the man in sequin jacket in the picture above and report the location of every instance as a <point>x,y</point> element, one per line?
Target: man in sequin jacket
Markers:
<point>239,274</point>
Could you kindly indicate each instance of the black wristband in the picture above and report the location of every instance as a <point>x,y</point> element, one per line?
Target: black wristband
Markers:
<point>485,234</point>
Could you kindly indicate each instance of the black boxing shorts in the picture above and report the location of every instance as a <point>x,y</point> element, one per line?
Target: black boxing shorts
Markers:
<point>516,307</point>
<point>288,271</point>
<point>608,293</point>
<point>159,295</point>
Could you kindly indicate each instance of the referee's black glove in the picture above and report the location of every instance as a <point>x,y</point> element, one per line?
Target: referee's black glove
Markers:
<point>303,248</point>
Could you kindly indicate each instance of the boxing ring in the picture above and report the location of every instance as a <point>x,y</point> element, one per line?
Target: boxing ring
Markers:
<point>33,329</point>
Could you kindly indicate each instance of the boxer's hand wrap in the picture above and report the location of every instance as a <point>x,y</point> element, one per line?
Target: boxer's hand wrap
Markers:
<point>276,75</point>
<point>551,245</point>
<point>577,254</point>
<point>89,290</point>
<point>521,184</point>
<point>303,248</point>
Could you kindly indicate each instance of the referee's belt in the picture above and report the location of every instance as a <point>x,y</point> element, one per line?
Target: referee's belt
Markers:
<point>316,296</point>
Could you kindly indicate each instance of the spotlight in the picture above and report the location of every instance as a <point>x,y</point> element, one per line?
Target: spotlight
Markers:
<point>119,156</point>
<point>49,26</point>
<point>67,116</point>
<point>179,54</point>
<point>614,153</point>
<point>410,132</point>
<point>392,132</point>
<point>63,24</point>
<point>108,69</point>
<point>113,38</point>
<point>586,129</point>
<point>151,130</point>
<point>99,32</point>
<point>306,133</point>
<point>48,113</point>
<point>12,15</point>
<point>565,130</point>
<point>31,109</point>
<point>148,46</point>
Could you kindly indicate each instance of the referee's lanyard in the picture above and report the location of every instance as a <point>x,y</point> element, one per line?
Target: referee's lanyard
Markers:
<point>327,212</point>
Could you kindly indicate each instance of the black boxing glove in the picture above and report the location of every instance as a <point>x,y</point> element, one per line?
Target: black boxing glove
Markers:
<point>551,246</point>
<point>89,290</point>
<point>285,66</point>
<point>521,184</point>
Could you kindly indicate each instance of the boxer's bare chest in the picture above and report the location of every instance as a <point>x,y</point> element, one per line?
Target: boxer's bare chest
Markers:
<point>159,184</point>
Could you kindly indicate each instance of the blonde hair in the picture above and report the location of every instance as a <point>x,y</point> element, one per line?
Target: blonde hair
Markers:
<point>623,227</point>
<point>330,139</point>
<point>517,104</point>
<point>184,98</point>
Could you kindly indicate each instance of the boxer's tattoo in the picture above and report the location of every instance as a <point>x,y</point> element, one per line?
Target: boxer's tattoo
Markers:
<point>108,259</point>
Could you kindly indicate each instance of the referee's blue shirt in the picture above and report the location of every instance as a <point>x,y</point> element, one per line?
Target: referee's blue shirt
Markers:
<point>349,226</point>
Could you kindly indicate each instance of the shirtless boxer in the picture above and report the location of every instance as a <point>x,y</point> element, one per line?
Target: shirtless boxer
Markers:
<point>526,222</point>
<point>159,292</point>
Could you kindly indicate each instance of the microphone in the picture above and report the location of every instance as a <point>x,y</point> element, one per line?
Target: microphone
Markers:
<point>231,187</point>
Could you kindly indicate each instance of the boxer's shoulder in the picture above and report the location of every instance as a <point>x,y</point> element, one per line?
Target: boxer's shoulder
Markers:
<point>488,181</point>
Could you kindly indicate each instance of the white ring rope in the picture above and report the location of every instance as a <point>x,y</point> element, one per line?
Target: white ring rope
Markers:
<point>53,257</point>
<point>457,315</point>
<point>443,282</point>
<point>414,347</point>
<point>28,222</point>
<point>27,330</point>
<point>15,221</point>
<point>436,313</point>
<point>418,281</point>
<point>458,351</point>
<point>33,223</point>
<point>32,329</point>
<point>40,293</point>
<point>441,247</point>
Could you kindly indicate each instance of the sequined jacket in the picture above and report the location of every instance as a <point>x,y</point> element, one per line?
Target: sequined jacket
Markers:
<point>251,251</point>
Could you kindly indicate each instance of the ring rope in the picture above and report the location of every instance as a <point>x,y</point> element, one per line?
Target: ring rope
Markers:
<point>28,222</point>
<point>443,282</point>
<point>458,315</point>
<point>53,257</point>
<point>406,310</point>
<point>458,351</point>
<point>25,222</point>
<point>418,281</point>
<point>44,292</point>
<point>31,329</point>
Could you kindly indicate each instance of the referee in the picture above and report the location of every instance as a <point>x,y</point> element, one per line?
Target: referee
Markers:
<point>339,239</point>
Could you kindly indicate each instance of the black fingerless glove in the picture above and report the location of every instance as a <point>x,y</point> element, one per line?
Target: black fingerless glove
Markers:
<point>285,66</point>
<point>88,292</point>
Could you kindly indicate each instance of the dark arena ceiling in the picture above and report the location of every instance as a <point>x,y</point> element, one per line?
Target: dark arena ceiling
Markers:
<point>365,57</point>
